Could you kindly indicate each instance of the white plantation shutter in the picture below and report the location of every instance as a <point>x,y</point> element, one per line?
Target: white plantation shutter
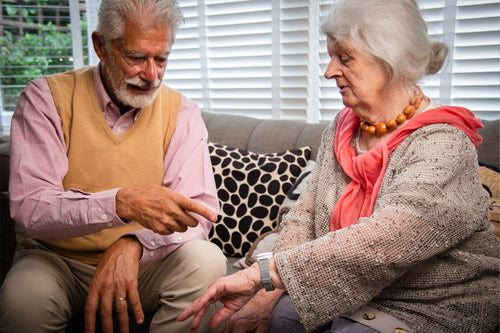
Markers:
<point>476,61</point>
<point>471,76</point>
<point>226,47</point>
<point>267,58</point>
<point>185,65</point>
<point>330,99</point>
<point>239,40</point>
<point>294,47</point>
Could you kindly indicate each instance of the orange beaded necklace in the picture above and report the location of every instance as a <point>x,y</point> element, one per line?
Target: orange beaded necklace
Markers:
<point>408,112</point>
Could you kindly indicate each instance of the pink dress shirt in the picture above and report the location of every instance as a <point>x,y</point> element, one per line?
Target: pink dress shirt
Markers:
<point>38,164</point>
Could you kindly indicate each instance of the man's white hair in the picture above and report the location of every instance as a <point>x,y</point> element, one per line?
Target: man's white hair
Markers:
<point>115,14</point>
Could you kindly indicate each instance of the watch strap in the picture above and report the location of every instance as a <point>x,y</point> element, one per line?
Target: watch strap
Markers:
<point>265,277</point>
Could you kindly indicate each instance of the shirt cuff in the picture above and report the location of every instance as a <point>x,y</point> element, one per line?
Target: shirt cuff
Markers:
<point>157,247</point>
<point>102,209</point>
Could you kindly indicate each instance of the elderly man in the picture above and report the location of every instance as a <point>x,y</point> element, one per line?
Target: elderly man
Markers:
<point>112,186</point>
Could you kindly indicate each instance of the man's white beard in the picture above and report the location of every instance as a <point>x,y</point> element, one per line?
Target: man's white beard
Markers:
<point>133,100</point>
<point>121,92</point>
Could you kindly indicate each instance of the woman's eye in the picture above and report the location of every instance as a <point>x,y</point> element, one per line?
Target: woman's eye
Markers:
<point>344,59</point>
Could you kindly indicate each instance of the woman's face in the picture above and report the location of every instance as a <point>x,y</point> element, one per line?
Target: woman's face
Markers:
<point>360,78</point>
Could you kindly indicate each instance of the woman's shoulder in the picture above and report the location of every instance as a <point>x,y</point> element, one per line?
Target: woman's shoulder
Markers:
<point>439,132</point>
<point>449,124</point>
<point>438,139</point>
<point>331,128</point>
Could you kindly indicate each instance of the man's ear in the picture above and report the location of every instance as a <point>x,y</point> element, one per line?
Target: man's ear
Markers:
<point>98,42</point>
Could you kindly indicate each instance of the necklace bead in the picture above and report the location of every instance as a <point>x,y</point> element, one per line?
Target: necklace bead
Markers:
<point>391,124</point>
<point>408,112</point>
<point>401,118</point>
<point>381,128</point>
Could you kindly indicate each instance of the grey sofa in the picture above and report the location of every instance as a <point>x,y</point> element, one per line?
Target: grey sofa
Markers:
<point>256,135</point>
<point>267,136</point>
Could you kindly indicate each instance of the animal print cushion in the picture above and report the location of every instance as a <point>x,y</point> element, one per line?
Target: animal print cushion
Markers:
<point>251,188</point>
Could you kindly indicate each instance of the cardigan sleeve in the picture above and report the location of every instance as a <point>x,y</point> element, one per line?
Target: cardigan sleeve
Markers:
<point>431,199</point>
<point>298,225</point>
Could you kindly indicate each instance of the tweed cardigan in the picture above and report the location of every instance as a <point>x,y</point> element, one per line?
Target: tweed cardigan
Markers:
<point>427,255</point>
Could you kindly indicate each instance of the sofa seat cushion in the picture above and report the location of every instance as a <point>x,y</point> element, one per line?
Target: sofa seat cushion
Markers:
<point>250,188</point>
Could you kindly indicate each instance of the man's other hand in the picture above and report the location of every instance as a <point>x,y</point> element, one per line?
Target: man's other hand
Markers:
<point>159,209</point>
<point>114,287</point>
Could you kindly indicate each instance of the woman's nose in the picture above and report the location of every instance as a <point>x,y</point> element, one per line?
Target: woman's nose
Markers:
<point>333,69</point>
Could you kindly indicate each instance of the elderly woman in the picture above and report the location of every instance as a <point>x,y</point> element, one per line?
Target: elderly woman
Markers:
<point>393,230</point>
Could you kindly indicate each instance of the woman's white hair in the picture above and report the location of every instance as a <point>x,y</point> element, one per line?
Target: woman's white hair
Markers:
<point>392,31</point>
<point>115,14</point>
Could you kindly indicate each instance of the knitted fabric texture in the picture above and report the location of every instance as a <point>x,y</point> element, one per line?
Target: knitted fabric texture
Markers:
<point>427,255</point>
<point>366,170</point>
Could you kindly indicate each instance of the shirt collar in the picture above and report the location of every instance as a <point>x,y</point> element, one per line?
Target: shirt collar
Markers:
<point>105,102</point>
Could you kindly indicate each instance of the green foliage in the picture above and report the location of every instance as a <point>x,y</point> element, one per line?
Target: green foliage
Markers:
<point>36,53</point>
<point>26,12</point>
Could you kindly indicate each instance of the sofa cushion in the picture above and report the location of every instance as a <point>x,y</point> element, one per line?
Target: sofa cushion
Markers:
<point>4,164</point>
<point>491,182</point>
<point>265,243</point>
<point>488,152</point>
<point>263,135</point>
<point>251,188</point>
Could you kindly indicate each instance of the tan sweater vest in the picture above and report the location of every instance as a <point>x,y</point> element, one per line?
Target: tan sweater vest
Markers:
<point>99,160</point>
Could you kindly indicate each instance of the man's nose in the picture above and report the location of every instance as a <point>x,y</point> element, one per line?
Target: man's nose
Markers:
<point>150,72</point>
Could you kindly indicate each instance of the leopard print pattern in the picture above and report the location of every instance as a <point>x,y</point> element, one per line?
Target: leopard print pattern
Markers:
<point>250,188</point>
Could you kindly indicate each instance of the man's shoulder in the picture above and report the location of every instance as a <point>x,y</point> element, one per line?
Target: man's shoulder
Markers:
<point>170,91</point>
<point>68,78</point>
<point>73,72</point>
<point>38,84</point>
<point>186,104</point>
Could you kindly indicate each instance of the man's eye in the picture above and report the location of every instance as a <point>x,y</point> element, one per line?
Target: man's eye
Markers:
<point>137,58</point>
<point>161,60</point>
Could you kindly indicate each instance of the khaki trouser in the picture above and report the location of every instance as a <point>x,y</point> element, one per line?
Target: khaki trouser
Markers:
<point>43,290</point>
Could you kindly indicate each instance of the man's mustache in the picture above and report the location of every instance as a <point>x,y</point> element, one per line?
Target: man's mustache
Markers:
<point>138,82</point>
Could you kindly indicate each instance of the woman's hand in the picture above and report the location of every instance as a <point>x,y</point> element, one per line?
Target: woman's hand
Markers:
<point>255,316</point>
<point>234,291</point>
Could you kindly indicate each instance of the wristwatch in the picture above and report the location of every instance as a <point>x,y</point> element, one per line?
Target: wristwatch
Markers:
<point>265,278</point>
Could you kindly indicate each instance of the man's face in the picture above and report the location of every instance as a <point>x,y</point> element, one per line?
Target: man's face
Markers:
<point>134,65</point>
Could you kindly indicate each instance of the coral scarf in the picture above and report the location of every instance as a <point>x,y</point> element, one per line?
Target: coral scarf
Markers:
<point>367,170</point>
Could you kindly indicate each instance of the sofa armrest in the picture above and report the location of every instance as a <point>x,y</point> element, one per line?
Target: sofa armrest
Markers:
<point>7,236</point>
